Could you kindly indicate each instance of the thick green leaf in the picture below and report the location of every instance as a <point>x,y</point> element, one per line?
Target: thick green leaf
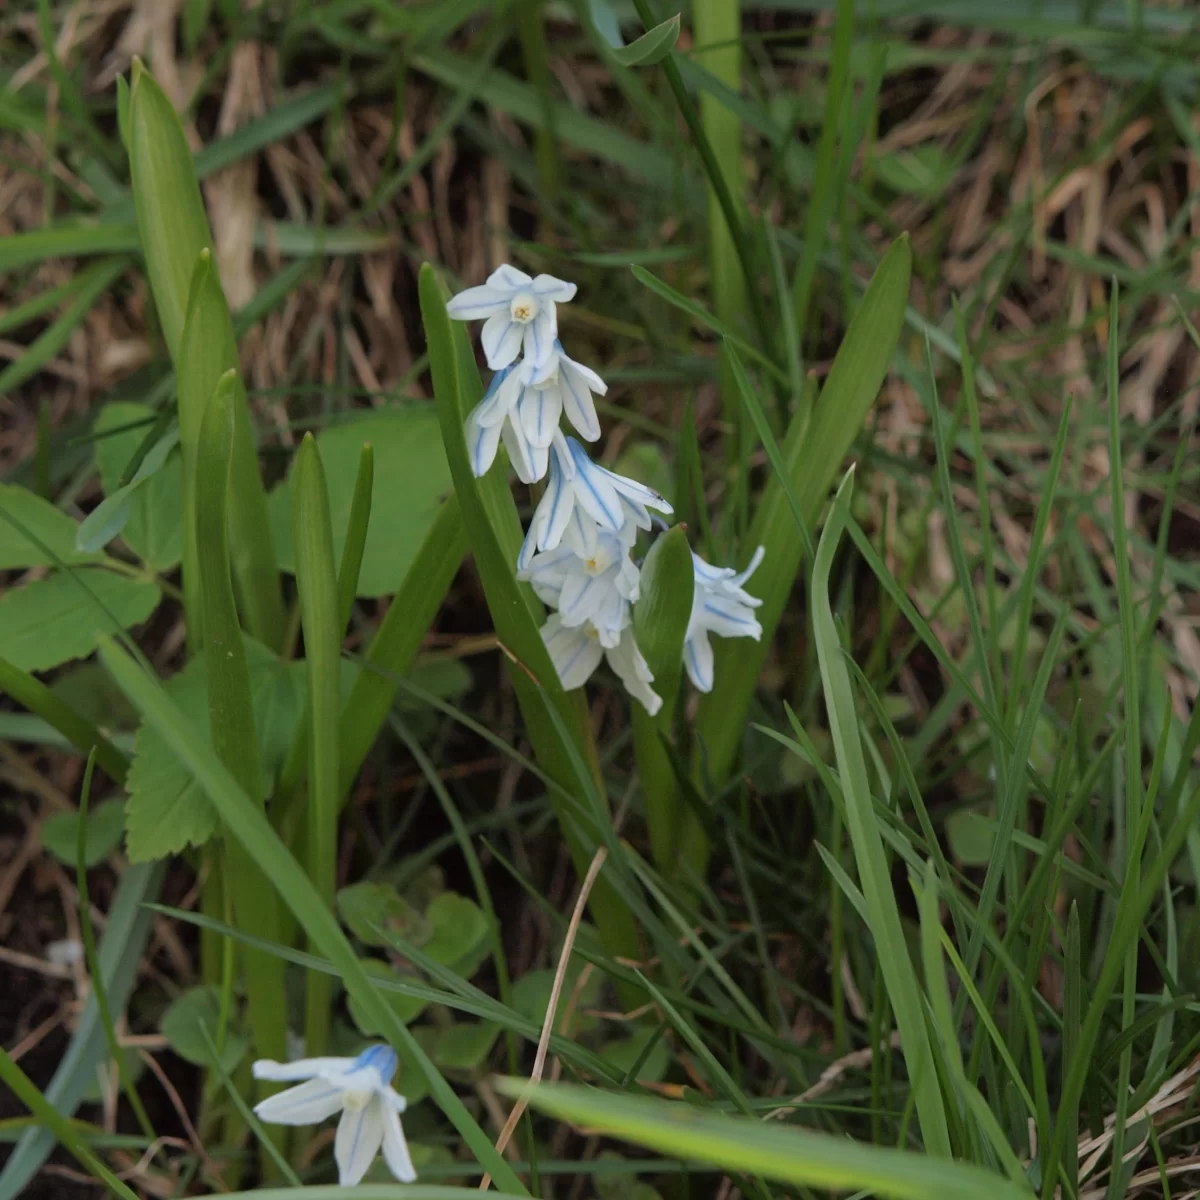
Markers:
<point>105,823</point>
<point>463,1045</point>
<point>652,47</point>
<point>660,621</point>
<point>167,808</point>
<point>148,511</point>
<point>411,480</point>
<point>459,933</point>
<point>812,452</point>
<point>244,820</point>
<point>63,616</point>
<point>406,1008</point>
<point>33,533</point>
<point>181,1026</point>
<point>764,1149</point>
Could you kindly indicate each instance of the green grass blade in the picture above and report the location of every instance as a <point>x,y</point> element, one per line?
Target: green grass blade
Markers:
<point>245,821</point>
<point>356,535</point>
<point>765,1149</point>
<point>812,454</point>
<point>316,585</point>
<point>24,1089</point>
<point>874,879</point>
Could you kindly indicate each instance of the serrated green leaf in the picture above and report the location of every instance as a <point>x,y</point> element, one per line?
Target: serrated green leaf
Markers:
<point>167,809</point>
<point>181,1023</point>
<point>367,907</point>
<point>24,517</point>
<point>411,480</point>
<point>652,47</point>
<point>105,823</point>
<point>148,511</point>
<point>53,620</point>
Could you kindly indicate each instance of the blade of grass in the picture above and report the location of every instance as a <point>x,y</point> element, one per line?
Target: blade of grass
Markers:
<point>246,822</point>
<point>874,879</point>
<point>317,588</point>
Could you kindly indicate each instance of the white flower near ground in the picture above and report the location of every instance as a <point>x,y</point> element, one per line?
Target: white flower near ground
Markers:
<point>611,500</point>
<point>720,605</point>
<point>494,419</point>
<point>518,313</point>
<point>576,652</point>
<point>360,1089</point>
<point>588,577</point>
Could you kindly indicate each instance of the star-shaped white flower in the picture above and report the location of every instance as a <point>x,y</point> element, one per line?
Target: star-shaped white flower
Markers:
<point>720,606</point>
<point>611,500</point>
<point>493,419</point>
<point>518,311</point>
<point>360,1089</point>
<point>589,577</point>
<point>576,653</point>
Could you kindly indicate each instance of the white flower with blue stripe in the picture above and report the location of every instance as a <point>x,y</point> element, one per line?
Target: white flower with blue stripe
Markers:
<point>518,314</point>
<point>576,652</point>
<point>360,1089</point>
<point>720,605</point>
<point>589,577</point>
<point>611,500</point>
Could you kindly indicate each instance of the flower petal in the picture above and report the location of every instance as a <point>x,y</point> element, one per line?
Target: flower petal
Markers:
<point>698,659</point>
<point>634,672</point>
<point>302,1068</point>
<point>527,460</point>
<point>546,287</point>
<point>740,580</point>
<point>500,397</point>
<point>501,339</point>
<point>508,279</point>
<point>482,443</point>
<point>477,302</point>
<point>577,402</point>
<point>553,511</point>
<point>539,335</point>
<point>306,1104</point>
<point>593,490</point>
<point>359,1136</point>
<point>580,595</point>
<point>574,653</point>
<point>538,411</point>
<point>395,1148</point>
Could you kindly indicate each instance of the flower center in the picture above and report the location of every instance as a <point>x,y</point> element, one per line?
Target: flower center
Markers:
<point>355,1101</point>
<point>524,307</point>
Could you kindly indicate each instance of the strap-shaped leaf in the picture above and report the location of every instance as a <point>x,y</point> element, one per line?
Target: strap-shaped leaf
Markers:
<point>812,453</point>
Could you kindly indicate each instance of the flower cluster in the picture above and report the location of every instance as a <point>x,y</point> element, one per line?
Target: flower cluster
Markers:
<point>361,1090</point>
<point>578,552</point>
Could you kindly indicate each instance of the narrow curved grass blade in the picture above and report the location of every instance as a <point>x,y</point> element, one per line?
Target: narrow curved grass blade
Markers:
<point>246,822</point>
<point>765,1149</point>
<point>874,877</point>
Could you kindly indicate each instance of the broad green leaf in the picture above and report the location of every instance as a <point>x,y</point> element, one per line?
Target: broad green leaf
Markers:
<point>411,480</point>
<point>63,616</point>
<point>627,1052</point>
<point>652,47</point>
<point>181,1026</point>
<point>765,1149</point>
<point>531,993</point>
<point>167,809</point>
<point>33,533</point>
<point>105,824</point>
<point>148,511</point>
<point>367,907</point>
<point>921,171</point>
<point>971,836</point>
<point>660,621</point>
<point>812,452</point>
<point>463,1045</point>
<point>245,821</point>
